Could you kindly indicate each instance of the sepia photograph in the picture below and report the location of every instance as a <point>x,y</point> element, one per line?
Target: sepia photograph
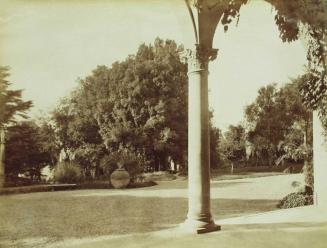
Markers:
<point>163,123</point>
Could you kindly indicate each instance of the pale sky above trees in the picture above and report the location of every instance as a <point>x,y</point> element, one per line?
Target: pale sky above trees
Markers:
<point>49,44</point>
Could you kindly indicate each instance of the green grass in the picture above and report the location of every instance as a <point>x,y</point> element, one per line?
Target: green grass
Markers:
<point>61,215</point>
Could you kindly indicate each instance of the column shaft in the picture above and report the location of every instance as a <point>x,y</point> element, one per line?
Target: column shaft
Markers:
<point>199,219</point>
<point>319,162</point>
<point>198,145</point>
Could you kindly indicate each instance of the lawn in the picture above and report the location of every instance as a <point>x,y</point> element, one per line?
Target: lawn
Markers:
<point>55,216</point>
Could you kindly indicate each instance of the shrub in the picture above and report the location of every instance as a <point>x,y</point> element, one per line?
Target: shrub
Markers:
<point>108,164</point>
<point>294,200</point>
<point>67,172</point>
<point>14,181</point>
<point>133,164</point>
<point>130,160</point>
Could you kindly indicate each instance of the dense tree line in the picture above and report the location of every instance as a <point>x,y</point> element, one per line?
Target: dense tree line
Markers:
<point>138,106</point>
<point>27,145</point>
<point>136,110</point>
<point>275,119</point>
<point>277,128</point>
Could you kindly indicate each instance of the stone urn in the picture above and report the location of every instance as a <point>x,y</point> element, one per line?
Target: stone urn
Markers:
<point>120,178</point>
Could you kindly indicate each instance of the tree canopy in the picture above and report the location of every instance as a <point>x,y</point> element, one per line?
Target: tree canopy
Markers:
<point>26,150</point>
<point>278,122</point>
<point>145,106</point>
<point>232,145</point>
<point>139,104</point>
<point>11,103</point>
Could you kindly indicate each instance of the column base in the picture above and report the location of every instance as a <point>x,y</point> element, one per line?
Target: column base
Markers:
<point>199,227</point>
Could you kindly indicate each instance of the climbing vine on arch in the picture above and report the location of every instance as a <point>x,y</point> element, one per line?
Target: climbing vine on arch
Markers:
<point>305,20</point>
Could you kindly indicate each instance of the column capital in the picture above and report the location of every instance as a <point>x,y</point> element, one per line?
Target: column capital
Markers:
<point>199,57</point>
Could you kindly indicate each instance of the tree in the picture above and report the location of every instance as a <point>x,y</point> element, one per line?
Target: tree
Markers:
<point>48,140</point>
<point>62,116</point>
<point>89,156</point>
<point>11,105</point>
<point>266,122</point>
<point>278,121</point>
<point>141,103</point>
<point>25,151</point>
<point>215,136</point>
<point>233,144</point>
<point>299,140</point>
<point>77,133</point>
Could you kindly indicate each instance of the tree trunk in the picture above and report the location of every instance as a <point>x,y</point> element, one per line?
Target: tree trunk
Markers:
<point>2,157</point>
<point>308,165</point>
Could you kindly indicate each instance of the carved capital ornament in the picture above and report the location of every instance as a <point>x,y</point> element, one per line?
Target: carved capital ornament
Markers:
<point>199,58</point>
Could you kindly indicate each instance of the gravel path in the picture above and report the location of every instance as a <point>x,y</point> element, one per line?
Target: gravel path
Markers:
<point>264,188</point>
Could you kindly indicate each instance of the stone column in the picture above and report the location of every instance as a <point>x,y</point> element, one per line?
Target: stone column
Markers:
<point>199,219</point>
<point>2,157</point>
<point>319,163</point>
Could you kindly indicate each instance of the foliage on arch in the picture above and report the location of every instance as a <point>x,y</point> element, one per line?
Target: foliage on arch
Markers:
<point>306,20</point>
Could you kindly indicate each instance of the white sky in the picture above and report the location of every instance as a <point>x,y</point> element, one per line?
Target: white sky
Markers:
<point>49,44</point>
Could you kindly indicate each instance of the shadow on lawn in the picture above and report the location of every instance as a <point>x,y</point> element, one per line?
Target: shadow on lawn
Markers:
<point>222,184</point>
<point>183,185</point>
<point>60,216</point>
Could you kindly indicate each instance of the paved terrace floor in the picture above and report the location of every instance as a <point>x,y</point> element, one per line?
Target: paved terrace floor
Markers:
<point>304,235</point>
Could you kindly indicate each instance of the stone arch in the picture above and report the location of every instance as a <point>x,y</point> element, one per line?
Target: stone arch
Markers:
<point>205,16</point>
